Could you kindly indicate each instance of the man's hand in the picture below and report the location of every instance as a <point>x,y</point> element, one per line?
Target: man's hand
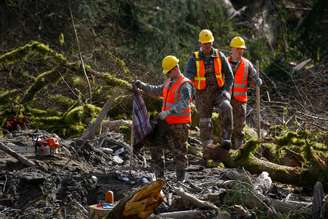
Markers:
<point>226,95</point>
<point>259,82</point>
<point>162,115</point>
<point>139,84</point>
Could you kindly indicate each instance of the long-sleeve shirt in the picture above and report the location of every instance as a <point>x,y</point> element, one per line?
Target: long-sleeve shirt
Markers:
<point>186,93</point>
<point>252,74</point>
<point>190,71</point>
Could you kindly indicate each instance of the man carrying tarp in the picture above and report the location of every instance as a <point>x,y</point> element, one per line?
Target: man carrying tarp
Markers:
<point>243,71</point>
<point>177,92</point>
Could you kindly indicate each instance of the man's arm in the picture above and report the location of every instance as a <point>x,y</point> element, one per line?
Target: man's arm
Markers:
<point>153,90</point>
<point>253,74</point>
<point>190,69</point>
<point>227,71</point>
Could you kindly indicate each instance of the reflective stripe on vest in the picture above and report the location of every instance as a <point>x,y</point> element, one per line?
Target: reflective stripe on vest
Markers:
<point>171,96</point>
<point>240,85</point>
<point>199,80</point>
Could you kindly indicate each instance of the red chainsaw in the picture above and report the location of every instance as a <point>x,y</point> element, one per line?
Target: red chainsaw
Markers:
<point>45,145</point>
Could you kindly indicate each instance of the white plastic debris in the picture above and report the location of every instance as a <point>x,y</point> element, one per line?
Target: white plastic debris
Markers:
<point>107,150</point>
<point>117,159</point>
<point>263,183</point>
<point>94,179</point>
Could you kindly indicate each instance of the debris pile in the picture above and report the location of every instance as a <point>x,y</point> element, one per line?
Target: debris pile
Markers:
<point>66,183</point>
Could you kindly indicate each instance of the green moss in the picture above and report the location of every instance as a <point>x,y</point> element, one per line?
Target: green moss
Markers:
<point>37,112</point>
<point>81,114</point>
<point>239,193</point>
<point>276,130</point>
<point>74,130</point>
<point>60,99</point>
<point>42,80</point>
<point>114,81</point>
<point>49,119</point>
<point>119,62</point>
<point>249,147</point>
<point>78,81</point>
<point>271,146</point>
<point>304,133</point>
<point>250,133</point>
<point>126,131</point>
<point>216,124</point>
<point>289,138</point>
<point>319,146</point>
<point>28,50</point>
<point>214,164</point>
<point>6,95</point>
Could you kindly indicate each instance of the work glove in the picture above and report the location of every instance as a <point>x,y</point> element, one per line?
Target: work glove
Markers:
<point>259,82</point>
<point>139,84</point>
<point>225,94</point>
<point>162,115</point>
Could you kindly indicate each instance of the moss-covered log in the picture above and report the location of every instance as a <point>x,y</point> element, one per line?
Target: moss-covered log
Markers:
<point>5,96</point>
<point>34,47</point>
<point>72,122</point>
<point>35,112</point>
<point>306,176</point>
<point>30,49</point>
<point>76,118</point>
<point>112,80</point>
<point>41,81</point>
<point>81,113</point>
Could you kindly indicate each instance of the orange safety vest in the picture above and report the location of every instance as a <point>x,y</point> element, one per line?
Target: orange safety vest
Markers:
<point>199,80</point>
<point>171,96</point>
<point>240,85</point>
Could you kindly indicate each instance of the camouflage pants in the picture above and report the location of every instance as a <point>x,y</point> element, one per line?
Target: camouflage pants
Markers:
<point>206,101</point>
<point>239,116</point>
<point>173,138</point>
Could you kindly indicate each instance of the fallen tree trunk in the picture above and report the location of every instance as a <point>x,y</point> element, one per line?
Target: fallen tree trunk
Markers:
<point>41,81</point>
<point>195,201</point>
<point>285,174</point>
<point>286,206</point>
<point>19,157</point>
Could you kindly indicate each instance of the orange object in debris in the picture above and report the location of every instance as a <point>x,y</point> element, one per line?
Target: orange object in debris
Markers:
<point>53,142</point>
<point>109,197</point>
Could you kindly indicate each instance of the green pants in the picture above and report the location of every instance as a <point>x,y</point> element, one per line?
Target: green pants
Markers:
<point>173,138</point>
<point>206,102</point>
<point>239,117</point>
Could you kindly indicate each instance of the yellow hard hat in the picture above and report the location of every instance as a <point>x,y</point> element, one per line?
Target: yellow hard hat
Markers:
<point>168,63</point>
<point>205,36</point>
<point>238,42</point>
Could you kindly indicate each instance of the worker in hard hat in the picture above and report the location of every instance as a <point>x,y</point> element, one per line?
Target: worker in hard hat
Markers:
<point>244,72</point>
<point>177,92</point>
<point>212,77</point>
